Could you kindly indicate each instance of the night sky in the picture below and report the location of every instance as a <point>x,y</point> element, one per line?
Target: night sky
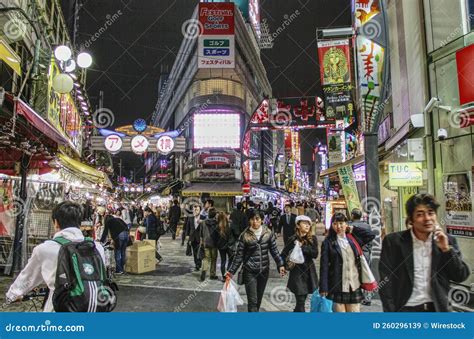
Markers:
<point>143,36</point>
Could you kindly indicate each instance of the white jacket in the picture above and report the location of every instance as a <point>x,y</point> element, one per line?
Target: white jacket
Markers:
<point>41,267</point>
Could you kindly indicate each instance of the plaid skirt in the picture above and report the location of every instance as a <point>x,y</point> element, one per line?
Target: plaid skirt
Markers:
<point>352,297</point>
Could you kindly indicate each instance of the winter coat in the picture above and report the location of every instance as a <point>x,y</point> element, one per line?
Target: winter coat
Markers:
<point>253,253</point>
<point>151,224</point>
<point>303,277</point>
<point>238,222</point>
<point>225,241</point>
<point>174,214</point>
<point>209,233</point>
<point>193,231</point>
<point>331,259</point>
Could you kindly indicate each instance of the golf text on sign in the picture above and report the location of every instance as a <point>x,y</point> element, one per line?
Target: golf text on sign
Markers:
<point>405,174</point>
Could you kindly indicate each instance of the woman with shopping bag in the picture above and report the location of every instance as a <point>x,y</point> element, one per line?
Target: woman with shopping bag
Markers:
<point>252,253</point>
<point>341,269</point>
<point>298,255</point>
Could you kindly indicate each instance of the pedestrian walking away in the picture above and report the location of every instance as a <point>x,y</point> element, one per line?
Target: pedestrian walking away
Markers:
<point>303,278</point>
<point>174,215</point>
<point>225,242</point>
<point>419,263</point>
<point>253,255</point>
<point>209,232</point>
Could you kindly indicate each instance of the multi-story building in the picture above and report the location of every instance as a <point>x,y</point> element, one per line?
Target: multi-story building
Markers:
<point>211,107</point>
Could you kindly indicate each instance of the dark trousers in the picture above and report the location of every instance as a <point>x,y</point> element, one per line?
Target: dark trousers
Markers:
<point>223,255</point>
<point>300,301</point>
<point>183,236</point>
<point>173,227</point>
<point>197,261</point>
<point>255,284</point>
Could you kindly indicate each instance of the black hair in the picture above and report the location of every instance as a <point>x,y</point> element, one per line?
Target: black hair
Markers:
<point>147,209</point>
<point>239,206</point>
<point>68,214</point>
<point>210,202</point>
<point>211,213</point>
<point>336,217</point>
<point>420,199</point>
<point>176,202</point>
<point>356,214</point>
<point>252,213</point>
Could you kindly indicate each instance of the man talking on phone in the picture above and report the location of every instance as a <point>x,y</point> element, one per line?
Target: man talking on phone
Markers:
<point>417,265</point>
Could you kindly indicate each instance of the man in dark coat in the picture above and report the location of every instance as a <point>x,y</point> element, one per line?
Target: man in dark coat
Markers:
<point>287,224</point>
<point>238,221</point>
<point>208,230</point>
<point>192,229</point>
<point>417,265</point>
<point>174,215</point>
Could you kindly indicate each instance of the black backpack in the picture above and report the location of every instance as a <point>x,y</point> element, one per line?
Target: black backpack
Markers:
<point>81,280</point>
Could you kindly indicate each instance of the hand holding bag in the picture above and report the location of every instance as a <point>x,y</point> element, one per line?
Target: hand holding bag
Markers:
<point>320,304</point>
<point>367,279</point>
<point>296,255</point>
<point>229,298</point>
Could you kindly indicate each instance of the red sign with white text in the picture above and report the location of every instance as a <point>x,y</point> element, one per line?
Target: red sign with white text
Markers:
<point>216,18</point>
<point>465,65</point>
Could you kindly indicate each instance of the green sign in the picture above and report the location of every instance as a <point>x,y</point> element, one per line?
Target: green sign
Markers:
<point>405,174</point>
<point>349,187</point>
<point>216,43</point>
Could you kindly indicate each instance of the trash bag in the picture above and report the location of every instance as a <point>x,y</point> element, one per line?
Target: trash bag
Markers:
<point>320,304</point>
<point>230,297</point>
<point>296,255</point>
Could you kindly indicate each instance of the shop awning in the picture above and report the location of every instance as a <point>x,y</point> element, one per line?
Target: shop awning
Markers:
<point>37,121</point>
<point>216,189</point>
<point>9,56</point>
<point>333,170</point>
<point>85,171</point>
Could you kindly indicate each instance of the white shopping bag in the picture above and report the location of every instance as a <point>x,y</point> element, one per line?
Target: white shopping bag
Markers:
<point>230,297</point>
<point>296,255</point>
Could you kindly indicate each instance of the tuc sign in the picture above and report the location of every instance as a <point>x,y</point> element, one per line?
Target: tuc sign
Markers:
<point>405,174</point>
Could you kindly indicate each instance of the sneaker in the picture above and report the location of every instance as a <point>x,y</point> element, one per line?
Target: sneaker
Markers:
<point>203,275</point>
<point>120,273</point>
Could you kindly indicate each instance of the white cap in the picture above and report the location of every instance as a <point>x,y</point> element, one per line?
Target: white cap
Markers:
<point>303,218</point>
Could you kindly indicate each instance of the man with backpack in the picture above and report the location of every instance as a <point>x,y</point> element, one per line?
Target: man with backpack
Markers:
<point>52,263</point>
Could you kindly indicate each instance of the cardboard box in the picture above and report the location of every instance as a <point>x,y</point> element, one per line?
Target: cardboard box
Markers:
<point>140,258</point>
<point>151,242</point>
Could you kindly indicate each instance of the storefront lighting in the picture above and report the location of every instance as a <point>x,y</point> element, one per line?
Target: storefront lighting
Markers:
<point>62,53</point>
<point>72,75</point>
<point>84,60</point>
<point>80,97</point>
<point>70,66</point>
<point>62,83</point>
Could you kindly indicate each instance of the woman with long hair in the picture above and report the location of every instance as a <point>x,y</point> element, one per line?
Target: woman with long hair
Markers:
<point>253,249</point>
<point>225,241</point>
<point>340,264</point>
<point>303,278</point>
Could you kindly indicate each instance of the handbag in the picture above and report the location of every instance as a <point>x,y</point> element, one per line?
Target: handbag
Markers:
<point>367,279</point>
<point>189,250</point>
<point>201,253</point>
<point>320,304</point>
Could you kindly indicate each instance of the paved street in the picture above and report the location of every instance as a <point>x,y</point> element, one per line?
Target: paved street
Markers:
<point>175,287</point>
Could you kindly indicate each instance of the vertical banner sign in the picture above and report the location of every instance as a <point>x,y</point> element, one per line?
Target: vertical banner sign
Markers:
<point>216,45</point>
<point>349,187</point>
<point>335,150</point>
<point>335,66</point>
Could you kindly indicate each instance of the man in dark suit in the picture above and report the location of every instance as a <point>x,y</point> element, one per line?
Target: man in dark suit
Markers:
<point>174,215</point>
<point>417,265</point>
<point>287,224</point>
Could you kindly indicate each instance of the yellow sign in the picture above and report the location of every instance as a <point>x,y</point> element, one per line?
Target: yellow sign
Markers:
<point>9,56</point>
<point>406,193</point>
<point>62,111</point>
<point>405,174</point>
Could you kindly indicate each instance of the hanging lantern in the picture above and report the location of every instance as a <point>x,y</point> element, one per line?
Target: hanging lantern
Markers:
<point>63,83</point>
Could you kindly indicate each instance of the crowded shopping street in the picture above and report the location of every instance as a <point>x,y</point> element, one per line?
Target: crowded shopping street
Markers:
<point>236,157</point>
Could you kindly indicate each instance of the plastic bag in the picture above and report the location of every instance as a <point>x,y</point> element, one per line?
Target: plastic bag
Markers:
<point>320,304</point>
<point>296,255</point>
<point>230,298</point>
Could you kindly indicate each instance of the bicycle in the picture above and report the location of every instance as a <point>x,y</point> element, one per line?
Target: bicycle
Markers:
<point>37,297</point>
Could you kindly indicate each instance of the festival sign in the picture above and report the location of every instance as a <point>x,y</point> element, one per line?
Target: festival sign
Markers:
<point>216,44</point>
<point>336,80</point>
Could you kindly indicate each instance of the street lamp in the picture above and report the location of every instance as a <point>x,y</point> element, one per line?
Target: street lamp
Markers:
<point>64,55</point>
